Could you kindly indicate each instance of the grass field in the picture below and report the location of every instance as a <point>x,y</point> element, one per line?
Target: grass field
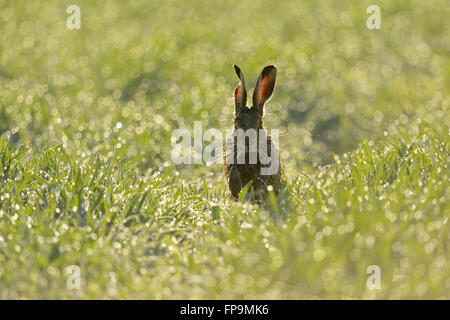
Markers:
<point>86,119</point>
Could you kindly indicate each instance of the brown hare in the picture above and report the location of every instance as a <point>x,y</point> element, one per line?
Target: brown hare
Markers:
<point>239,167</point>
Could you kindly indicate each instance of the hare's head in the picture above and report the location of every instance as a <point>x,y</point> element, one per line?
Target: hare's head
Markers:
<point>251,117</point>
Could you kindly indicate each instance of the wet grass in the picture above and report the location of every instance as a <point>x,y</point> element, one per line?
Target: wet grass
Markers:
<point>86,119</point>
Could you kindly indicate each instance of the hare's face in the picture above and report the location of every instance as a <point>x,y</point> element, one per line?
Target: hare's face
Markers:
<point>248,118</point>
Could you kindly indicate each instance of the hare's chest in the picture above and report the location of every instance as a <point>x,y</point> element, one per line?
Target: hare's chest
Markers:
<point>248,172</point>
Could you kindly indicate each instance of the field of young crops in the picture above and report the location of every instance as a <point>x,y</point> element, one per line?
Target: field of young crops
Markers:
<point>88,188</point>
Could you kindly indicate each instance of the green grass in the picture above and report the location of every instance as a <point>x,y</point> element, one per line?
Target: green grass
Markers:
<point>86,179</point>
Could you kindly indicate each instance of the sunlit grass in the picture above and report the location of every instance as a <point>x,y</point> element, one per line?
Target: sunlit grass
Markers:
<point>86,119</point>
<point>159,236</point>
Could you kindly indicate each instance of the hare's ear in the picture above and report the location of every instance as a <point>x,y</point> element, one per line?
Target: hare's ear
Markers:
<point>264,87</point>
<point>240,93</point>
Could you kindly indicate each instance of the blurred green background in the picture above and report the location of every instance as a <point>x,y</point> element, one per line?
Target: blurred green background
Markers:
<point>159,65</point>
<point>116,89</point>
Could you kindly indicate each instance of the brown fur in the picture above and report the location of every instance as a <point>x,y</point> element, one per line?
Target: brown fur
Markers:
<point>238,175</point>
